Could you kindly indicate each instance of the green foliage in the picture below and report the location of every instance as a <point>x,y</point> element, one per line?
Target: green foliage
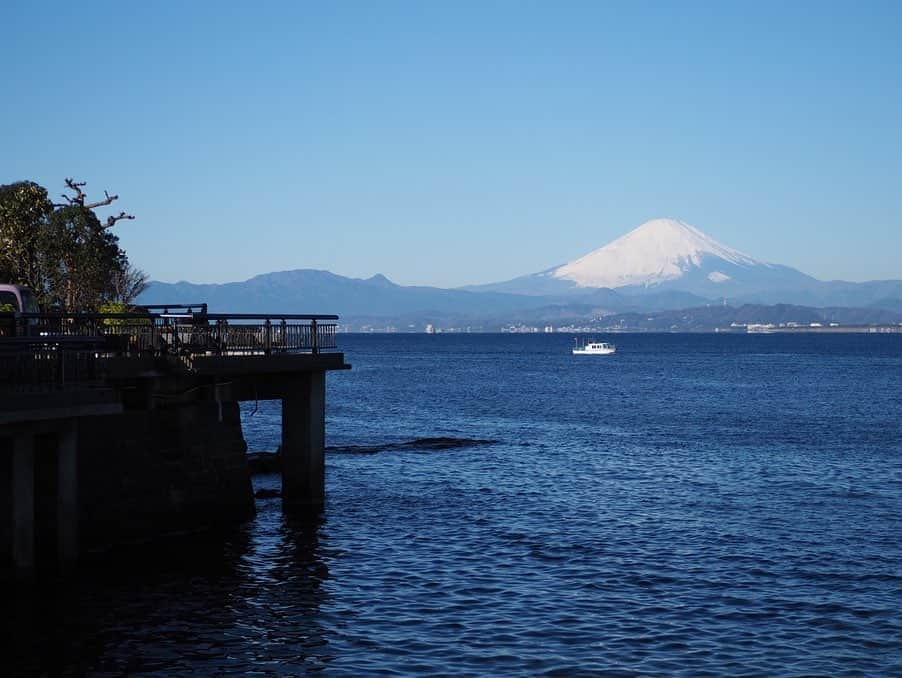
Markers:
<point>122,307</point>
<point>113,307</point>
<point>7,308</point>
<point>83,259</point>
<point>63,253</point>
<point>24,238</point>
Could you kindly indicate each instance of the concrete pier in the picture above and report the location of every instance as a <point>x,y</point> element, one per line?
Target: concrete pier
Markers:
<point>109,439</point>
<point>303,442</point>
<point>39,471</point>
<point>300,383</point>
<point>67,494</point>
<point>22,510</point>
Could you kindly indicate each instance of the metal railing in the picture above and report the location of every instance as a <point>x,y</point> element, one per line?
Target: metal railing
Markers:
<point>33,366</point>
<point>60,347</point>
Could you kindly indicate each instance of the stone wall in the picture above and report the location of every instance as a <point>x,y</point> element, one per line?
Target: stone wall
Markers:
<point>177,468</point>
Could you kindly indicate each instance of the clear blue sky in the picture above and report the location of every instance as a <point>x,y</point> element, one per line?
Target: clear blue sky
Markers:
<point>455,142</point>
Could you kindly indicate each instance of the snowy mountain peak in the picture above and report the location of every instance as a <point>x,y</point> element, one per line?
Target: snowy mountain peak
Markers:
<point>657,251</point>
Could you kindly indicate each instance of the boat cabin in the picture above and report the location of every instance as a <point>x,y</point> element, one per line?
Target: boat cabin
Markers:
<point>593,348</point>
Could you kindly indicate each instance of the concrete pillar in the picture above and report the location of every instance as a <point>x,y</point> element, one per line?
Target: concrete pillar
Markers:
<point>22,491</point>
<point>303,441</point>
<point>67,497</point>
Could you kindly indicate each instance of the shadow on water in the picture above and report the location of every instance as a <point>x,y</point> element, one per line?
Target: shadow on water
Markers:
<point>220,603</point>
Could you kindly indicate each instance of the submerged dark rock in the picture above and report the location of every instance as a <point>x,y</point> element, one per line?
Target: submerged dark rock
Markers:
<point>270,462</point>
<point>418,444</point>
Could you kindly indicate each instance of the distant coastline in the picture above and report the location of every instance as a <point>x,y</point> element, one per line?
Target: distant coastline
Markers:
<point>815,329</point>
<point>524,329</point>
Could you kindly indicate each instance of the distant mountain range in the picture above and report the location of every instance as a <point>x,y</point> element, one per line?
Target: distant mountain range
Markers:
<point>663,265</point>
<point>667,255</point>
<point>312,291</point>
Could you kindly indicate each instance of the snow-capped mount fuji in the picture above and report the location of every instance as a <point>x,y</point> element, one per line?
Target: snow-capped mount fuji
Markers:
<point>661,255</point>
<point>655,252</point>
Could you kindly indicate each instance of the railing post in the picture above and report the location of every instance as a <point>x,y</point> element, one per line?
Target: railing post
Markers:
<point>284,327</point>
<point>267,337</point>
<point>165,338</point>
<point>61,363</point>
<point>314,344</point>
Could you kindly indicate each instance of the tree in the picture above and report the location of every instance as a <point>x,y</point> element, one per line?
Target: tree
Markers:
<point>63,252</point>
<point>128,284</point>
<point>24,213</point>
<point>83,259</point>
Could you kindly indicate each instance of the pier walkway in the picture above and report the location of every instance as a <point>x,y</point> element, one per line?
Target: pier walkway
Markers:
<point>176,368</point>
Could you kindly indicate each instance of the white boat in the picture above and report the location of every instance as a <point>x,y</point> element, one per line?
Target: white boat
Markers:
<point>593,348</point>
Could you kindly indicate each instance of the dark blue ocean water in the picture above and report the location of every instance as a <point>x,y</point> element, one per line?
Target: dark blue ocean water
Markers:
<point>697,504</point>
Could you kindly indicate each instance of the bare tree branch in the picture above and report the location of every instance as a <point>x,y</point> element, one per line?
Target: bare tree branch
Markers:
<point>129,283</point>
<point>101,203</point>
<point>79,198</point>
<point>112,220</point>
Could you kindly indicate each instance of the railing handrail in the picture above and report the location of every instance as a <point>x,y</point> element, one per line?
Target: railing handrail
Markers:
<point>270,316</point>
<point>189,335</point>
<point>53,356</point>
<point>154,316</point>
<point>60,348</point>
<point>166,307</point>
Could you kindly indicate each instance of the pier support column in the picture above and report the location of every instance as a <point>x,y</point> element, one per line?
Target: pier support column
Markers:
<point>67,498</point>
<point>22,492</point>
<point>303,442</point>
